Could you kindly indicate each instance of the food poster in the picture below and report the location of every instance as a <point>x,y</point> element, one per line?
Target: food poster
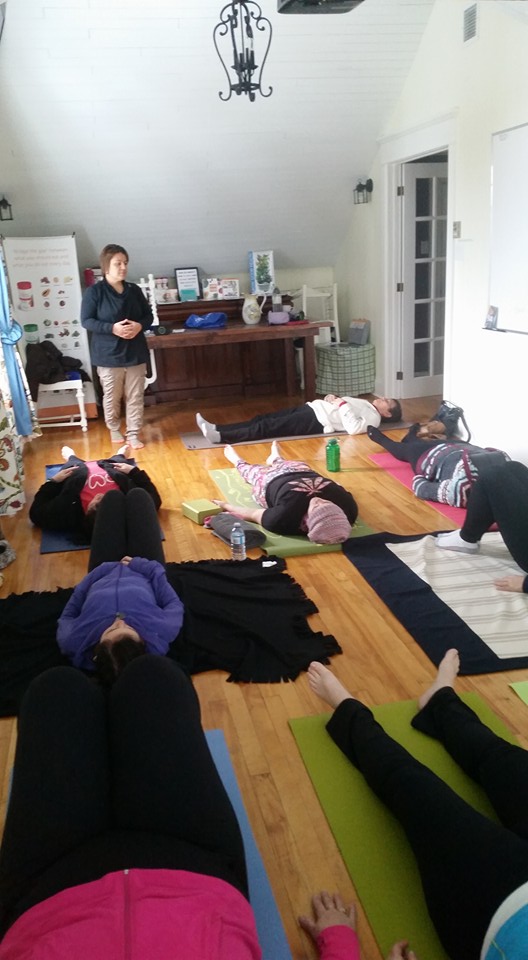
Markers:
<point>45,292</point>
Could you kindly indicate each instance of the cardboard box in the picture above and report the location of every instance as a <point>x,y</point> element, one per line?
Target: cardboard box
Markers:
<point>261,271</point>
<point>198,510</point>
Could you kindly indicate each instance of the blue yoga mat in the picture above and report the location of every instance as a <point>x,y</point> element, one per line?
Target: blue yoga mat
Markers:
<point>272,937</point>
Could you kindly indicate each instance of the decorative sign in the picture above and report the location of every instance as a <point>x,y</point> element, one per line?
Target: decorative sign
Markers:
<point>188,283</point>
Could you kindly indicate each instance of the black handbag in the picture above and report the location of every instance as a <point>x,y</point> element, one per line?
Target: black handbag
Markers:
<point>449,415</point>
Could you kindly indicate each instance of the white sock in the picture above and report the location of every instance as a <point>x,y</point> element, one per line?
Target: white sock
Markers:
<point>453,541</point>
<point>208,429</point>
<point>67,452</point>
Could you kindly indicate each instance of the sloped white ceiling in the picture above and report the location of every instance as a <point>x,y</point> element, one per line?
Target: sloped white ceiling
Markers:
<point>111,126</point>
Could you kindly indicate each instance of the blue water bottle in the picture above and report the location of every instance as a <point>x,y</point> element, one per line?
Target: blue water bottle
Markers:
<point>333,456</point>
<point>238,542</point>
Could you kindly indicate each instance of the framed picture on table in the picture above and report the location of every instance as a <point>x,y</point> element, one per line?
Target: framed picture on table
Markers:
<point>188,283</point>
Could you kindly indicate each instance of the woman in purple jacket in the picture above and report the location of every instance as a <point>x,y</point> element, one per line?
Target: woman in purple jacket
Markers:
<point>124,606</point>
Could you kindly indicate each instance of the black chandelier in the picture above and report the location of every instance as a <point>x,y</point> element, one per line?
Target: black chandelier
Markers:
<point>238,21</point>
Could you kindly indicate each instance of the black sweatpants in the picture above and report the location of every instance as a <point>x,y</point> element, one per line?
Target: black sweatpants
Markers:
<point>126,525</point>
<point>501,496</point>
<point>468,864</point>
<point>292,422</point>
<point>106,782</point>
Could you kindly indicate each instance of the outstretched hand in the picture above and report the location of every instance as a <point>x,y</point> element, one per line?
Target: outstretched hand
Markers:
<point>329,911</point>
<point>402,951</point>
<point>514,583</point>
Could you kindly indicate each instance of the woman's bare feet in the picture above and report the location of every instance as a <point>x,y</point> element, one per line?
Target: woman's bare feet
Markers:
<point>446,676</point>
<point>275,453</point>
<point>326,686</point>
<point>231,454</point>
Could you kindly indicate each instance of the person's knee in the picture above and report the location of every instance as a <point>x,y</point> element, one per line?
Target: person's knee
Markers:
<point>154,672</point>
<point>57,684</point>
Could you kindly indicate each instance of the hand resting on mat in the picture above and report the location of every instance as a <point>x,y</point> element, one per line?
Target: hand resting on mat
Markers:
<point>330,912</point>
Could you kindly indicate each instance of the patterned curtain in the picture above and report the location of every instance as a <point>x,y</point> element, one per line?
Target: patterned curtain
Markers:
<point>17,411</point>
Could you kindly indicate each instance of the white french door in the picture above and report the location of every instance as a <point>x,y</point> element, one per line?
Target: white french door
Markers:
<point>424,241</point>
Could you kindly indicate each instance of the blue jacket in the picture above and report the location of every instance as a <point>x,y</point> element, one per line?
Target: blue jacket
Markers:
<point>139,590</point>
<point>101,307</point>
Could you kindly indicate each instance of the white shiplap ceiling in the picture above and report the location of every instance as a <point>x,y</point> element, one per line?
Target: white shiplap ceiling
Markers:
<point>111,126</point>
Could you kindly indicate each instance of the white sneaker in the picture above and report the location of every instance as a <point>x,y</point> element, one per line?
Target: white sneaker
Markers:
<point>453,541</point>
<point>67,452</point>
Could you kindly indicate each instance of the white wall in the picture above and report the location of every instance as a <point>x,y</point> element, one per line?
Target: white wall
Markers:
<point>483,83</point>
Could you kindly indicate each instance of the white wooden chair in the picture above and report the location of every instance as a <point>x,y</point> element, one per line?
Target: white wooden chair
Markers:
<point>318,303</point>
<point>71,387</point>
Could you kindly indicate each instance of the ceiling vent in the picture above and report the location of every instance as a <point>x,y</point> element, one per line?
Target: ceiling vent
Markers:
<point>317,6</point>
<point>470,22</point>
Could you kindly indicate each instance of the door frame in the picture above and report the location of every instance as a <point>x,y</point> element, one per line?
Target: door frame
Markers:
<point>396,150</point>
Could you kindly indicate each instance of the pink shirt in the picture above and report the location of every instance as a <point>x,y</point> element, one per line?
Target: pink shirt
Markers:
<point>97,481</point>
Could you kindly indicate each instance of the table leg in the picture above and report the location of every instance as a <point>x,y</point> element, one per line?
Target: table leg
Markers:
<point>309,366</point>
<point>289,363</point>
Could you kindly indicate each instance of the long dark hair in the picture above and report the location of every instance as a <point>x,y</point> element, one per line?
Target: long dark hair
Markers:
<point>111,658</point>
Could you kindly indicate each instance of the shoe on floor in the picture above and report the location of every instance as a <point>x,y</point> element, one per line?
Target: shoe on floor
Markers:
<point>116,436</point>
<point>135,443</point>
<point>67,452</point>
<point>453,541</point>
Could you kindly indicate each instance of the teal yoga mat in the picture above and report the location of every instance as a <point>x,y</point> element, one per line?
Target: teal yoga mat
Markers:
<point>235,490</point>
<point>372,843</point>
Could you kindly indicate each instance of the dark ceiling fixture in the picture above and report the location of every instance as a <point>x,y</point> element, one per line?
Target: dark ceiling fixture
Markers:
<point>241,23</point>
<point>317,6</point>
<point>363,191</point>
<point>5,210</point>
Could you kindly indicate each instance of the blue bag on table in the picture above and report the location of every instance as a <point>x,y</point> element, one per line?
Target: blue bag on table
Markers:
<point>209,321</point>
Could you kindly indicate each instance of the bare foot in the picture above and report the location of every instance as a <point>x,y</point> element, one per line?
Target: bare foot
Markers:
<point>326,686</point>
<point>275,453</point>
<point>446,676</point>
<point>231,454</point>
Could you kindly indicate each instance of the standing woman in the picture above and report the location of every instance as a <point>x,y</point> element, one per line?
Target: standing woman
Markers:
<point>116,313</point>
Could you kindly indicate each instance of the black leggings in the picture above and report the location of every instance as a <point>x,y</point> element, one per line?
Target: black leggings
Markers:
<point>109,782</point>
<point>292,422</point>
<point>468,864</point>
<point>501,496</point>
<point>126,524</point>
<point>410,450</point>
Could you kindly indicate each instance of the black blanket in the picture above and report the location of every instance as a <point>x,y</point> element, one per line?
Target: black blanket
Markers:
<point>248,618</point>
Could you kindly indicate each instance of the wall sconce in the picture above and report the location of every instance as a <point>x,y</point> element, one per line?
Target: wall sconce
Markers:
<point>238,20</point>
<point>5,210</point>
<point>363,191</point>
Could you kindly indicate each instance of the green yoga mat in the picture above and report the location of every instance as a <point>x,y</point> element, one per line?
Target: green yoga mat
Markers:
<point>235,490</point>
<point>372,843</point>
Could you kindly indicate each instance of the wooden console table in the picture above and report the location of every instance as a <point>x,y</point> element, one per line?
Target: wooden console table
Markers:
<point>238,362</point>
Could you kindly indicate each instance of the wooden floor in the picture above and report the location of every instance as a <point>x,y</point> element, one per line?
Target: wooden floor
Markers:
<point>380,662</point>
